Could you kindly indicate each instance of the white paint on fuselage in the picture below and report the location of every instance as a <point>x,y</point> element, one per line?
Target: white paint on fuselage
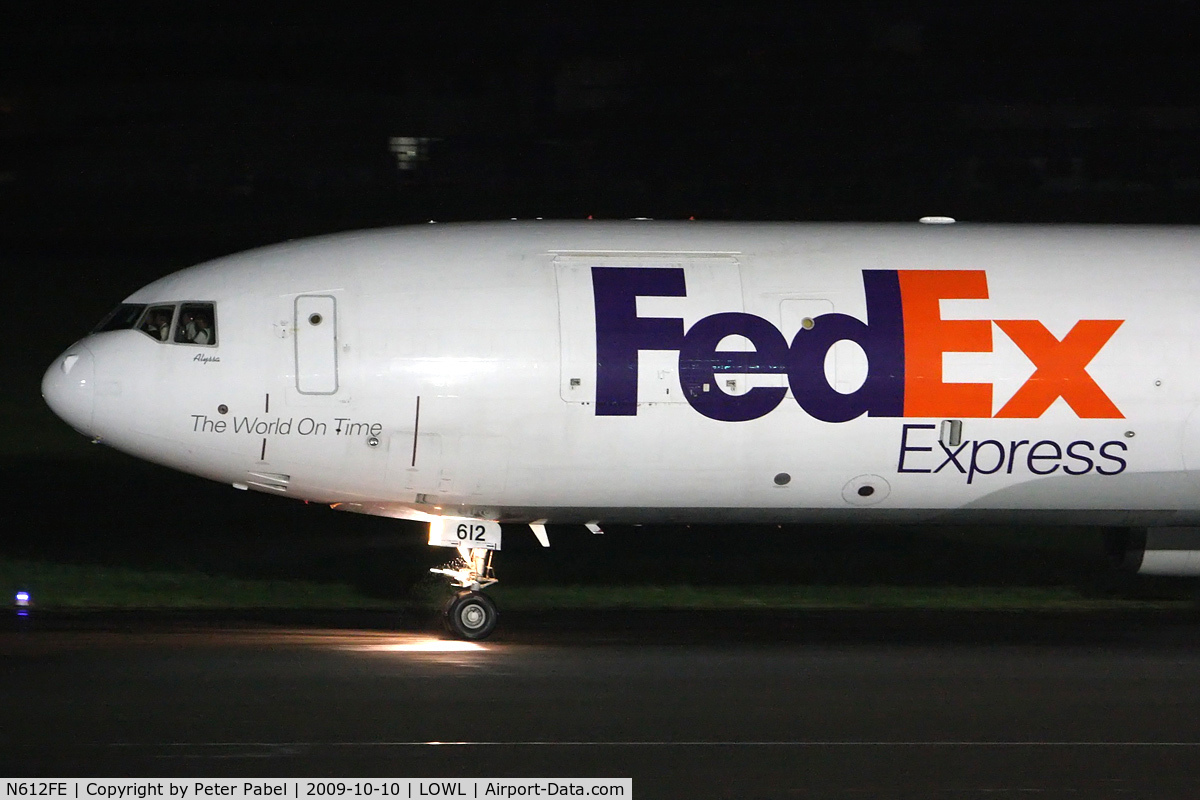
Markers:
<point>467,318</point>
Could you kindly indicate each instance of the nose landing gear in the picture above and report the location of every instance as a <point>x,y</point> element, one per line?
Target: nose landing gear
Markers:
<point>470,614</point>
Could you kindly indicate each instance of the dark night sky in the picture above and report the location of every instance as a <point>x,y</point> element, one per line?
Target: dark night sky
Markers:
<point>270,119</point>
<point>1056,52</point>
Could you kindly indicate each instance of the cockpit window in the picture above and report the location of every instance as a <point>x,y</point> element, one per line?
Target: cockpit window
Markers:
<point>121,318</point>
<point>197,324</point>
<point>156,322</point>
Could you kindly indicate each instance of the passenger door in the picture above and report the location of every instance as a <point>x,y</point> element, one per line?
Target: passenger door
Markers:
<point>316,344</point>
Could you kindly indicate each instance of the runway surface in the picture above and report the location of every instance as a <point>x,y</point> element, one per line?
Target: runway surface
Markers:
<point>730,705</point>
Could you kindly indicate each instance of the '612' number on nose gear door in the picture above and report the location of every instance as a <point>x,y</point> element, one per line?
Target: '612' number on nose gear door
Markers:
<point>464,532</point>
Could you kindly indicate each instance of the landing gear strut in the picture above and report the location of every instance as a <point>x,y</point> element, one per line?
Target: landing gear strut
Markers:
<point>476,572</point>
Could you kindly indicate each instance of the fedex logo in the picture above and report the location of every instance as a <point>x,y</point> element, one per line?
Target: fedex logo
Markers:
<point>903,336</point>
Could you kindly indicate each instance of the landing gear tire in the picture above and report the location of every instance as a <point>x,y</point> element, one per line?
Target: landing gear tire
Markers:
<point>470,615</point>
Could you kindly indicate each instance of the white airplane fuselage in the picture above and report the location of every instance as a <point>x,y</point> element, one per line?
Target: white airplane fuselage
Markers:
<point>691,372</point>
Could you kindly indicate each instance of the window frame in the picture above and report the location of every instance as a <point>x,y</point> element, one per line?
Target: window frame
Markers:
<point>177,326</point>
<point>103,326</point>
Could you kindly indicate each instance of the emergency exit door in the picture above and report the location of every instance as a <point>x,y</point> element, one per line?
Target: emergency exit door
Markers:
<point>316,344</point>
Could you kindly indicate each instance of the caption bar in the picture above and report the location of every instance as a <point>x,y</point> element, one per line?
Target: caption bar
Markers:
<point>140,788</point>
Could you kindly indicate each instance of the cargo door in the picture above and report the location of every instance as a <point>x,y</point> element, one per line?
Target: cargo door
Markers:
<point>712,285</point>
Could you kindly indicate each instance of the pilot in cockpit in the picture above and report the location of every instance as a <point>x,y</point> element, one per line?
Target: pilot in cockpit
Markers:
<point>202,332</point>
<point>157,324</point>
<point>186,332</point>
<point>195,323</point>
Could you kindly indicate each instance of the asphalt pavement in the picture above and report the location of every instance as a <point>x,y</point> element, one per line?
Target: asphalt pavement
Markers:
<point>723,705</point>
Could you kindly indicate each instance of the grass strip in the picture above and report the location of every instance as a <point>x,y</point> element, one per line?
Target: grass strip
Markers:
<point>813,597</point>
<point>67,586</point>
<point>90,586</point>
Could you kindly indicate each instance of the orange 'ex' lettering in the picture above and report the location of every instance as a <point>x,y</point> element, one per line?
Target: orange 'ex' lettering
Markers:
<point>1060,368</point>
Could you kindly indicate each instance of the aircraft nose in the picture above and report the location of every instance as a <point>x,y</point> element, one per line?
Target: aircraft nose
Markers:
<point>68,387</point>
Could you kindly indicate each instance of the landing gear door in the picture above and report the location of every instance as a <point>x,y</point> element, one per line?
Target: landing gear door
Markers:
<point>316,344</point>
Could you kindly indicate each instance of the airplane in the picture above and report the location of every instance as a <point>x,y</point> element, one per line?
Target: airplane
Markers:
<point>599,372</point>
